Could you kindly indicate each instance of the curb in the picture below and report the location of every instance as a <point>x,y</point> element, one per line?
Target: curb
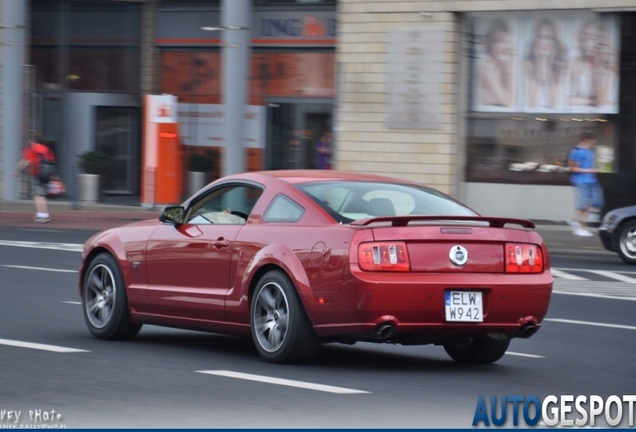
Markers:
<point>61,206</point>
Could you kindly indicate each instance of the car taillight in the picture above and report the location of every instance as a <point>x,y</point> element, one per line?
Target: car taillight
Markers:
<point>523,258</point>
<point>383,256</point>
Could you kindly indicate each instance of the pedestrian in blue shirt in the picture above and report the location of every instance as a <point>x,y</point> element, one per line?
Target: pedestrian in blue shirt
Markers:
<point>588,192</point>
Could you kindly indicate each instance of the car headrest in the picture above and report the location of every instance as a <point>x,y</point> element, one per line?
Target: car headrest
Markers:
<point>381,207</point>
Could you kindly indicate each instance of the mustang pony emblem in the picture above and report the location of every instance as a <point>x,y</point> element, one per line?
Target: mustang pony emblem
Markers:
<point>458,255</point>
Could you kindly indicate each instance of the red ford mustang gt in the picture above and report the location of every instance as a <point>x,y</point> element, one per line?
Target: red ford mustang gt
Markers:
<point>300,258</point>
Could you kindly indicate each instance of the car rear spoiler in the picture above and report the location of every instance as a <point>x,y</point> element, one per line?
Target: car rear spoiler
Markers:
<point>495,222</point>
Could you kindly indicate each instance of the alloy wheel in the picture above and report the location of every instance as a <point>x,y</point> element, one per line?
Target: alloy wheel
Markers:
<point>99,295</point>
<point>271,317</point>
<point>628,242</point>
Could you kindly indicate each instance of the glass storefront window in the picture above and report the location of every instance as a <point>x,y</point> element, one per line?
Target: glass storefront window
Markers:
<point>193,76</point>
<point>88,46</point>
<point>115,136</point>
<point>532,149</point>
<point>537,80</point>
<point>99,69</point>
<point>45,43</point>
<point>46,60</point>
<point>286,79</point>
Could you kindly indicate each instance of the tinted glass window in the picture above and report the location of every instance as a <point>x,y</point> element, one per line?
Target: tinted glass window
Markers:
<point>226,205</point>
<point>86,45</point>
<point>349,201</point>
<point>283,209</point>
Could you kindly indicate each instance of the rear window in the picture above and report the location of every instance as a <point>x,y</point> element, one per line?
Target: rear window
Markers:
<point>347,201</point>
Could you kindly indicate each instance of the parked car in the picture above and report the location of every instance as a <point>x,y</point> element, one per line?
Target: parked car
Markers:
<point>300,258</point>
<point>618,232</point>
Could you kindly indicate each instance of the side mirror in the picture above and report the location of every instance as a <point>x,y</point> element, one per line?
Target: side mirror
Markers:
<point>172,214</point>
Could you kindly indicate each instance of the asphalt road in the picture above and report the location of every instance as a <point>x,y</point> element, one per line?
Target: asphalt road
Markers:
<point>586,347</point>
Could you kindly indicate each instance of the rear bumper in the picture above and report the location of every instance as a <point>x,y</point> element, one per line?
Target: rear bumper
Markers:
<point>414,304</point>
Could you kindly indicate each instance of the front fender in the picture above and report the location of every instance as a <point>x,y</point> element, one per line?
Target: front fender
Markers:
<point>105,241</point>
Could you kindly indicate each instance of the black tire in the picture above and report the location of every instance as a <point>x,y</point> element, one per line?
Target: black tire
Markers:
<point>281,330</point>
<point>626,241</point>
<point>104,301</point>
<point>478,350</point>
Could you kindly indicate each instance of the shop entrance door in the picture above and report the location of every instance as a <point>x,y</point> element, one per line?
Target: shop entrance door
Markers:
<point>116,136</point>
<point>293,128</point>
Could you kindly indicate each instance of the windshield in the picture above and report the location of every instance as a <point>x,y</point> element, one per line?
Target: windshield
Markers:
<point>347,201</point>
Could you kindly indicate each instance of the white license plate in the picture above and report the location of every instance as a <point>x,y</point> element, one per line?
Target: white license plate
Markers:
<point>463,306</point>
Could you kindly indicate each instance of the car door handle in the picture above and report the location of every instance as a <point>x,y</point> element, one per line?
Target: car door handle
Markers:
<point>220,243</point>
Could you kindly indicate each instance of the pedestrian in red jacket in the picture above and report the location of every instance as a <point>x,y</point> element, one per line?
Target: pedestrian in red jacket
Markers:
<point>31,157</point>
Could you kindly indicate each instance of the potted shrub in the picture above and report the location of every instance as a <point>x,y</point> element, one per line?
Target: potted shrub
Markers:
<point>92,165</point>
<point>199,165</point>
<point>93,162</point>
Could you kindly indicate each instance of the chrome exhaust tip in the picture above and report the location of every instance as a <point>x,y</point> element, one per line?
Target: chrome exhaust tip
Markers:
<point>384,331</point>
<point>527,331</point>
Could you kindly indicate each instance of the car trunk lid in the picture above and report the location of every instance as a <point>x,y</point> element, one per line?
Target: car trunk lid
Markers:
<point>451,244</point>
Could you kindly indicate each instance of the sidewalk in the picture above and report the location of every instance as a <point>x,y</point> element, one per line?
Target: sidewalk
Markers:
<point>89,217</point>
<point>98,217</point>
<point>560,240</point>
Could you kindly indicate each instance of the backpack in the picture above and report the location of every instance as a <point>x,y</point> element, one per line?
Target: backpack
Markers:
<point>45,169</point>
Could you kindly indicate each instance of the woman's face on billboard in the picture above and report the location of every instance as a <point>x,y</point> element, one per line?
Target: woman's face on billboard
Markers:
<point>500,48</point>
<point>592,39</point>
<point>544,44</point>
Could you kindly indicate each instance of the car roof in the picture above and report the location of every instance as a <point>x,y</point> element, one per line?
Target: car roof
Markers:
<point>307,176</point>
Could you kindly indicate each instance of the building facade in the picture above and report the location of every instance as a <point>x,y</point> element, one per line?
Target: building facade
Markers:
<point>89,63</point>
<point>290,80</point>
<point>484,99</point>
<point>480,99</point>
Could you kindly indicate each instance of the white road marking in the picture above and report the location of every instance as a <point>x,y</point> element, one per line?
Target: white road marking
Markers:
<point>564,275</point>
<point>524,355</point>
<point>283,382</point>
<point>602,296</point>
<point>588,323</point>
<point>40,268</point>
<point>38,346</point>
<point>613,275</point>
<point>69,247</point>
<point>71,302</point>
<point>618,275</point>
<point>599,289</point>
<point>568,269</point>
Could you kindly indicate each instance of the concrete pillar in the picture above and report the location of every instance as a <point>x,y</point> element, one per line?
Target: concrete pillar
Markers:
<point>12,93</point>
<point>235,22</point>
<point>149,54</point>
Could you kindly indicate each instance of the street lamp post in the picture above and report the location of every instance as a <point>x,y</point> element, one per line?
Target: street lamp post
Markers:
<point>235,20</point>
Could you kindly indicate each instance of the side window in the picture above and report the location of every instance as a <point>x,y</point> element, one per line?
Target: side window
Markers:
<point>227,205</point>
<point>283,209</point>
